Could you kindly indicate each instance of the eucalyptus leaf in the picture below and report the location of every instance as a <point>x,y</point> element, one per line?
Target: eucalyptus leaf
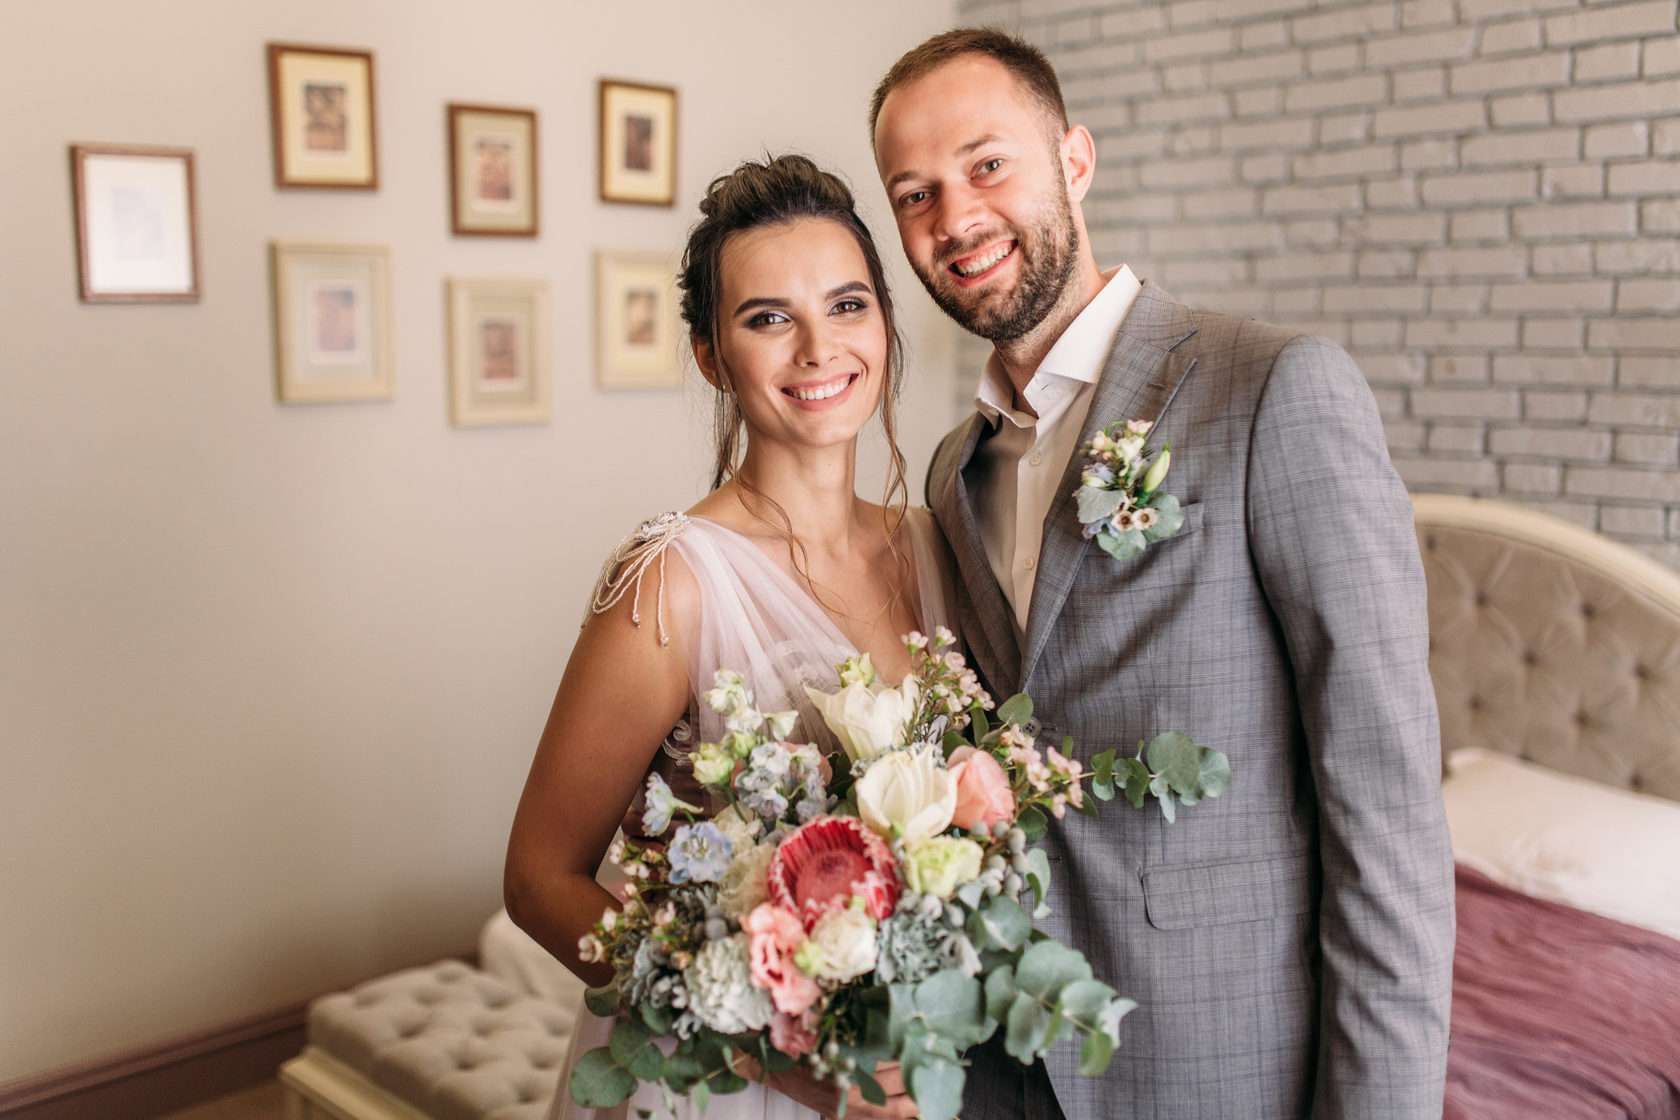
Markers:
<point>1000,991</point>
<point>700,1097</point>
<point>1033,822</point>
<point>1095,1055</point>
<point>632,1047</point>
<point>971,892</point>
<point>659,1020</point>
<point>937,1088</point>
<point>1028,1023</point>
<point>1169,806</point>
<point>1116,1010</point>
<point>1097,503</point>
<point>602,1002</point>
<point>600,1082</point>
<point>1047,966</point>
<point>1038,874</point>
<point>1017,710</point>
<point>1215,773</point>
<point>1169,518</point>
<point>951,1005</point>
<point>869,1088</point>
<point>1137,780</point>
<point>1083,1001</point>
<point>1001,925</point>
<point>982,725</point>
<point>681,1071</point>
<point>1175,756</point>
<point>1122,546</point>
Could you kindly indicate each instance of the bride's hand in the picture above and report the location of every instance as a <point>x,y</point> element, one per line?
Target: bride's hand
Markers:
<point>804,1087</point>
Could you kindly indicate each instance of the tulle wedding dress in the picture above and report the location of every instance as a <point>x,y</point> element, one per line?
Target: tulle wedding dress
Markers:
<point>757,620</point>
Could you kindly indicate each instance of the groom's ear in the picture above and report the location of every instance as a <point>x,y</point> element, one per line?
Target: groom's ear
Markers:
<point>1078,152</point>
<point>706,358</point>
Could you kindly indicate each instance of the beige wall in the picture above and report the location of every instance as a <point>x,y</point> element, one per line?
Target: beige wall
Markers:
<point>270,677</point>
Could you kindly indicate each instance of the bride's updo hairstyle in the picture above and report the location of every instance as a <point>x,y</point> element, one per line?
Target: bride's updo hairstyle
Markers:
<point>774,192</point>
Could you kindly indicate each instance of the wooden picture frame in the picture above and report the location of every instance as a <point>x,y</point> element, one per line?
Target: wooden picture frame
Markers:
<point>136,223</point>
<point>638,143</point>
<point>499,351</point>
<point>493,171</point>
<point>638,335</point>
<point>332,322</point>
<point>322,117</point>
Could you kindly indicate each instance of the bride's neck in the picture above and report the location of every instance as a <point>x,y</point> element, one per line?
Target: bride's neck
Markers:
<point>816,493</point>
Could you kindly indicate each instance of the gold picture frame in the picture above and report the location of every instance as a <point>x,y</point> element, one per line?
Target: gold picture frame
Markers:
<point>499,351</point>
<point>332,322</point>
<point>638,336</point>
<point>322,117</point>
<point>638,143</point>
<point>136,223</point>
<point>493,173</point>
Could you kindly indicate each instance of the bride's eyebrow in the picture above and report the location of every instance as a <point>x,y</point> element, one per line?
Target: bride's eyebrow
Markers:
<point>777,302</point>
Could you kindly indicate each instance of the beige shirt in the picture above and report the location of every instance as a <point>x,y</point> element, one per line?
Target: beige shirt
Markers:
<point>1016,472</point>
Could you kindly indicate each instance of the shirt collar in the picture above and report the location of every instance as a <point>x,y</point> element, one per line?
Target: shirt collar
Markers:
<point>1078,355</point>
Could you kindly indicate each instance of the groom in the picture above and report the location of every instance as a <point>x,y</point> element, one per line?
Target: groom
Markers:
<point>1290,944</point>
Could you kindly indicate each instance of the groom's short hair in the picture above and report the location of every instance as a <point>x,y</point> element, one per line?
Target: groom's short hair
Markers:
<point>1023,60</point>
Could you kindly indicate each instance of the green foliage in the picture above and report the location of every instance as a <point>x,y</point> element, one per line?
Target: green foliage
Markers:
<point>1171,767</point>
<point>1002,924</point>
<point>1049,989</point>
<point>600,1082</point>
<point>1016,710</point>
<point>602,1002</point>
<point>1033,822</point>
<point>1169,518</point>
<point>1038,877</point>
<point>1123,546</point>
<point>1097,503</point>
<point>632,1047</point>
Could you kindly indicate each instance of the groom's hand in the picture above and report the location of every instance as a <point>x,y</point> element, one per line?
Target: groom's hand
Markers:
<point>803,1086</point>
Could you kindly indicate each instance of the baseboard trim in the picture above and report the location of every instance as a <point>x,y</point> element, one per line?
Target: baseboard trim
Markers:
<point>154,1080</point>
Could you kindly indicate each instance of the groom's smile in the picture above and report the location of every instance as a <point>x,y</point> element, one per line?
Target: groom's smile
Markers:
<point>977,268</point>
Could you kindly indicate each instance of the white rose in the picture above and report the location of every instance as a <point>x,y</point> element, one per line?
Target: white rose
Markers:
<point>841,946</point>
<point>741,832</point>
<point>910,791</point>
<point>867,721</point>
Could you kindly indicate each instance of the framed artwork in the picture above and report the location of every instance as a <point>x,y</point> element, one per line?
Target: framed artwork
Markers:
<point>136,223</point>
<point>637,336</point>
<point>322,116</point>
<point>492,171</point>
<point>638,143</point>
<point>498,352</point>
<point>332,322</point>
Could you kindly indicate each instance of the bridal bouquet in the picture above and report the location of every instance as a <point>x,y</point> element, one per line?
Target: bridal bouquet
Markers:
<point>876,909</point>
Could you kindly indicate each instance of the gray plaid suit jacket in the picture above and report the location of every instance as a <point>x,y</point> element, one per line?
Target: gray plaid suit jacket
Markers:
<point>1290,944</point>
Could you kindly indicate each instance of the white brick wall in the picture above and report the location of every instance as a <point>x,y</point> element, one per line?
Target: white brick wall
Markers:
<point>1479,198</point>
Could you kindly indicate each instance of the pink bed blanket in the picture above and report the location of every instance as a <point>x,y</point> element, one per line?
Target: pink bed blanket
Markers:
<point>1558,1013</point>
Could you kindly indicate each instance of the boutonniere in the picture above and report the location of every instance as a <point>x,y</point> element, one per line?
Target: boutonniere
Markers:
<point>1120,499</point>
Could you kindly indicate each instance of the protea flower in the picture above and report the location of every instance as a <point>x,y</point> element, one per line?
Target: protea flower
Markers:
<point>823,865</point>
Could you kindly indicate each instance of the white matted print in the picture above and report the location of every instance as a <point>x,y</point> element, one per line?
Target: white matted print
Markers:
<point>637,341</point>
<point>135,219</point>
<point>498,352</point>
<point>638,153</point>
<point>493,170</point>
<point>332,322</point>
<point>322,117</point>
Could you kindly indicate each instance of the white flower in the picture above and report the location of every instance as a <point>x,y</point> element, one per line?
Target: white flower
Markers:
<point>910,791</point>
<point>1139,427</point>
<point>747,881</point>
<point>868,722</point>
<point>741,832</point>
<point>841,946</point>
<point>857,670</point>
<point>779,725</point>
<point>720,989</point>
<point>1129,447</point>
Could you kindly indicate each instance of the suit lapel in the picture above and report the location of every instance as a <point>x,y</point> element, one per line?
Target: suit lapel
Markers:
<point>1143,371</point>
<point>994,645</point>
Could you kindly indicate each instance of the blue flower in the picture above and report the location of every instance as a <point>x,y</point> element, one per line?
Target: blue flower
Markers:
<point>699,853</point>
<point>660,804</point>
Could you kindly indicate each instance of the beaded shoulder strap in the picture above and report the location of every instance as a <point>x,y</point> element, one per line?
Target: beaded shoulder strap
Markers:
<point>622,573</point>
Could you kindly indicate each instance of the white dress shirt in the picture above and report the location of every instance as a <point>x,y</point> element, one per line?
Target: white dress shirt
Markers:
<point>1016,472</point>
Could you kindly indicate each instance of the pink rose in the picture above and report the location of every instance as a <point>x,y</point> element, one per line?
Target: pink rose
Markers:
<point>775,935</point>
<point>793,1035</point>
<point>983,796</point>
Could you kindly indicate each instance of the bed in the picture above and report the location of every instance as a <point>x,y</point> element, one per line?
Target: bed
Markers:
<point>1556,660</point>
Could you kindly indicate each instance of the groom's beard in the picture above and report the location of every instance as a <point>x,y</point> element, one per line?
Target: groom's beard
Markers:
<point>1048,249</point>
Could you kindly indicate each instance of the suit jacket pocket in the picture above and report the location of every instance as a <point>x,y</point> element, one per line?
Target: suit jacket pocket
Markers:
<point>1212,894</point>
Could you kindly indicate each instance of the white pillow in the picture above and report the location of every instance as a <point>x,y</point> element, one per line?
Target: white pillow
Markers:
<point>1566,839</point>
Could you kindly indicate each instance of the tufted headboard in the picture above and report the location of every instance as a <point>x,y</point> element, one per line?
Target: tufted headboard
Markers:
<point>1552,643</point>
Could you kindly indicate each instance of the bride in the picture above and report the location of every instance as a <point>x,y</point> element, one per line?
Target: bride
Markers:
<point>780,573</point>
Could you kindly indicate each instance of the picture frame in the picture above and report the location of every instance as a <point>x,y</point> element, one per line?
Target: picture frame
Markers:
<point>493,172</point>
<point>332,322</point>
<point>499,351</point>
<point>638,336</point>
<point>136,223</point>
<point>638,143</point>
<point>322,117</point>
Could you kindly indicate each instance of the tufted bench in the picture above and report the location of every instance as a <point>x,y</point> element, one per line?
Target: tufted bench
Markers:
<point>445,1042</point>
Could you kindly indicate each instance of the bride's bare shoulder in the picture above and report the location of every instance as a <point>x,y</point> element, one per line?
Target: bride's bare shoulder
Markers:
<point>647,582</point>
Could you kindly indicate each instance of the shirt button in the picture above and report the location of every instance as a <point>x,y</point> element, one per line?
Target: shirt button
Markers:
<point>1036,459</point>
<point>1030,563</point>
